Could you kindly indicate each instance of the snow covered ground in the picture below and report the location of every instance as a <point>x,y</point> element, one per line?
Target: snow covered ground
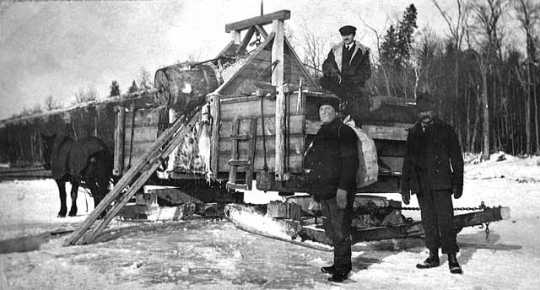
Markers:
<point>214,254</point>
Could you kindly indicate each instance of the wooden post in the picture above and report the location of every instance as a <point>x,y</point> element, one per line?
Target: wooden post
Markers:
<point>235,34</point>
<point>277,81</point>
<point>215,112</point>
<point>119,140</point>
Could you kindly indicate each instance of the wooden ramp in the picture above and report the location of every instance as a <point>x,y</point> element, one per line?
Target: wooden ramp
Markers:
<point>131,182</point>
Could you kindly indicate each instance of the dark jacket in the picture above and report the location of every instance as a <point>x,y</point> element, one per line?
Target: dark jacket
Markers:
<point>332,161</point>
<point>433,159</point>
<point>354,69</point>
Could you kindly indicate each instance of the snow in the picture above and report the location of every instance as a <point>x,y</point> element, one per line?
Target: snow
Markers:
<point>204,254</point>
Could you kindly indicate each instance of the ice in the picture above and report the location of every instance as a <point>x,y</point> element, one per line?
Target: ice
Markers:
<point>215,254</point>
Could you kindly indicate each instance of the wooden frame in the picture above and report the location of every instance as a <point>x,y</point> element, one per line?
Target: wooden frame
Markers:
<point>280,15</point>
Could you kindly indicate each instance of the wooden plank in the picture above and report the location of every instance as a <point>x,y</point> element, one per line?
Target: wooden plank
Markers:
<point>386,132</point>
<point>119,137</point>
<point>234,152</point>
<point>251,152</point>
<point>295,163</point>
<point>215,112</point>
<point>269,126</point>
<point>258,20</point>
<point>251,108</point>
<point>277,80</point>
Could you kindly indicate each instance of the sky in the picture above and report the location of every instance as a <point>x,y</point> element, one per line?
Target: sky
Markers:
<point>57,48</point>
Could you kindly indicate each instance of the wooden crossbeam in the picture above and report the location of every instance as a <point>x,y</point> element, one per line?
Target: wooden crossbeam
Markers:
<point>259,20</point>
<point>246,40</point>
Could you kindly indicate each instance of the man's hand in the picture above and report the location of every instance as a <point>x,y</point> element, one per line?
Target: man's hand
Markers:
<point>406,196</point>
<point>341,198</point>
<point>339,79</point>
<point>457,190</point>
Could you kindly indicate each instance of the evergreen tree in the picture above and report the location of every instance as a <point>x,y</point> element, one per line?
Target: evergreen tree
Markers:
<point>115,89</point>
<point>133,88</point>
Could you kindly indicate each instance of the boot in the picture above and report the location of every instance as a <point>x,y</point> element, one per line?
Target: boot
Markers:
<point>328,269</point>
<point>431,261</point>
<point>453,264</point>
<point>338,277</point>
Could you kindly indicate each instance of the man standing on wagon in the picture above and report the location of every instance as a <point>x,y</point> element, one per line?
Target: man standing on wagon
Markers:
<point>345,72</point>
<point>433,170</point>
<point>331,162</point>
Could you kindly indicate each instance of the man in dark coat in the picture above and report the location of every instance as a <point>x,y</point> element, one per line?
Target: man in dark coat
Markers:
<point>346,70</point>
<point>332,163</point>
<point>433,170</point>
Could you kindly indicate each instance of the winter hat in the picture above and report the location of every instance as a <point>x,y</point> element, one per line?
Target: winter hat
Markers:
<point>334,102</point>
<point>425,102</point>
<point>347,29</point>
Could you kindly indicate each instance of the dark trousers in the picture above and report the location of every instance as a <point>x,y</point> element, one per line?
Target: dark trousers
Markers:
<point>337,225</point>
<point>437,219</point>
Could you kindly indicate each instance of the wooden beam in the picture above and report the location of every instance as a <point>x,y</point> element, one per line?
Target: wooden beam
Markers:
<point>261,31</point>
<point>246,40</point>
<point>278,57</point>
<point>119,140</point>
<point>235,35</point>
<point>280,15</point>
<point>215,112</point>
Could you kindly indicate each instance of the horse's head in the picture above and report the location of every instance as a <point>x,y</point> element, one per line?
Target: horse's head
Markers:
<point>47,141</point>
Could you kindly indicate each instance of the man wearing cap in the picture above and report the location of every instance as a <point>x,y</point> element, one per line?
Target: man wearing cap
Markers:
<point>346,70</point>
<point>331,162</point>
<point>433,170</point>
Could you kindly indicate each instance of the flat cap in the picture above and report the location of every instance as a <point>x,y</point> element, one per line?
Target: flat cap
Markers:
<point>347,29</point>
<point>334,102</point>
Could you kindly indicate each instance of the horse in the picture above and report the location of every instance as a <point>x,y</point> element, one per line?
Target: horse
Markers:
<point>87,160</point>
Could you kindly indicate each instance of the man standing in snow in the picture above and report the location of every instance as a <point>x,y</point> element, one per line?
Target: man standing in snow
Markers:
<point>433,170</point>
<point>332,162</point>
<point>346,70</point>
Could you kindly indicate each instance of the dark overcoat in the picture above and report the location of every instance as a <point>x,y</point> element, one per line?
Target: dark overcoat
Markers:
<point>354,69</point>
<point>433,159</point>
<point>332,161</point>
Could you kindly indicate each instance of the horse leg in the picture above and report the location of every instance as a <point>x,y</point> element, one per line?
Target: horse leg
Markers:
<point>62,192</point>
<point>75,181</point>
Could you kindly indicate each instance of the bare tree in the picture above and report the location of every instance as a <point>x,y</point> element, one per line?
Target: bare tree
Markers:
<point>378,38</point>
<point>51,103</point>
<point>88,95</point>
<point>528,14</point>
<point>488,14</point>
<point>145,82</point>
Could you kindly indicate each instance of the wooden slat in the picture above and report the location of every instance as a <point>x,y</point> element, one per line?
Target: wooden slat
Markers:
<point>240,137</point>
<point>215,112</point>
<point>251,152</point>
<point>261,31</point>
<point>234,151</point>
<point>119,138</point>
<point>239,162</point>
<point>259,20</point>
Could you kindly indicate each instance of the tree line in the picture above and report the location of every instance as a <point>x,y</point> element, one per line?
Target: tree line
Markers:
<point>89,94</point>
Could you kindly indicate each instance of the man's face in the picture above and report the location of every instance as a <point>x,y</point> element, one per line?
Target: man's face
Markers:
<point>327,113</point>
<point>426,117</point>
<point>348,39</point>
